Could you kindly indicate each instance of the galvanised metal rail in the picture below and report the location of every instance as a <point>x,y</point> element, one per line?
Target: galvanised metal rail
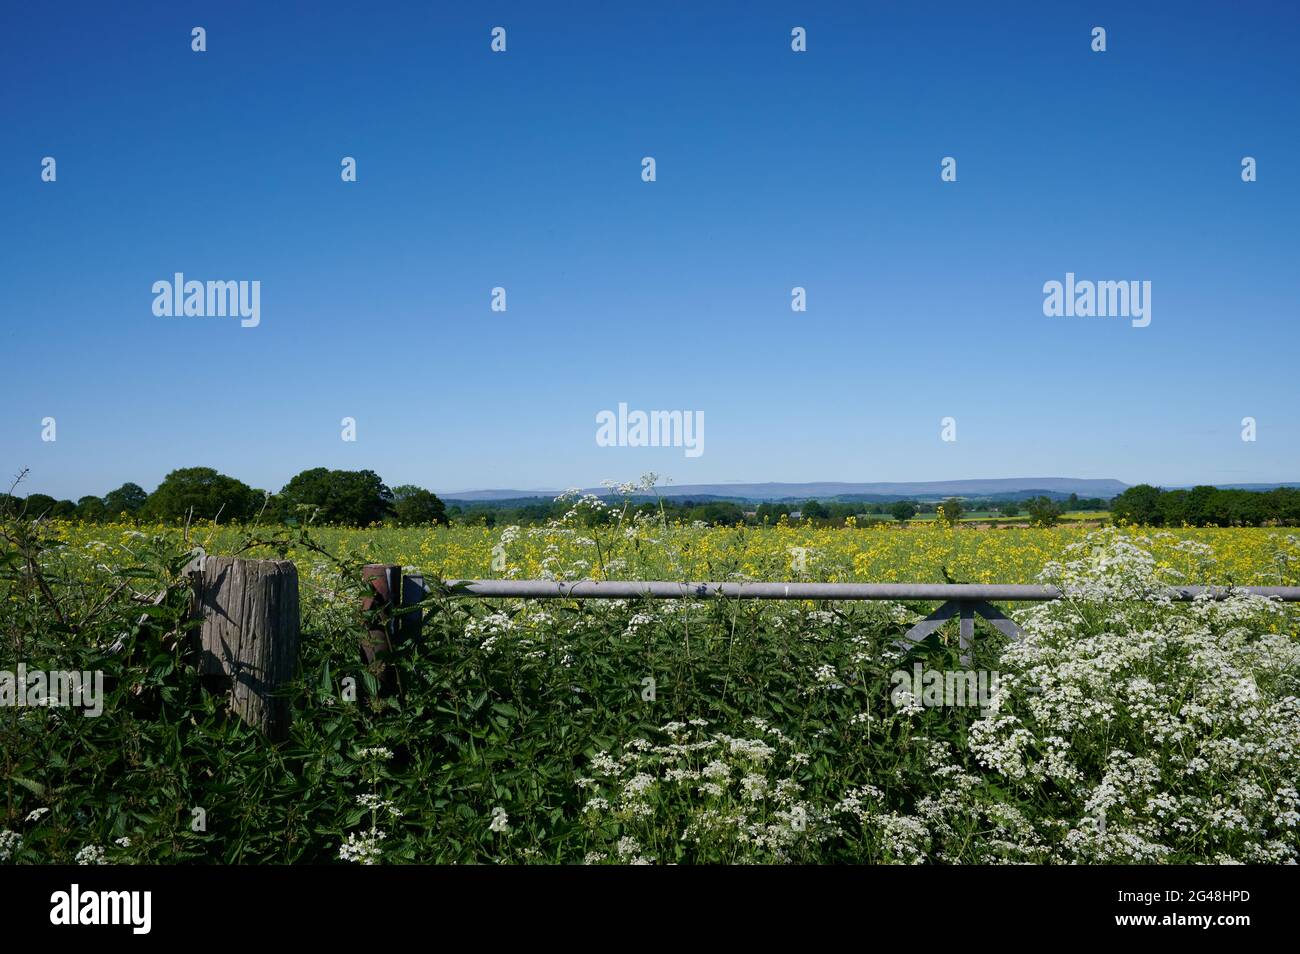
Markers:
<point>961,600</point>
<point>660,589</point>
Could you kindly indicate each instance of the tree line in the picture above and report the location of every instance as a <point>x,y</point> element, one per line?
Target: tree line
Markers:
<point>360,498</point>
<point>1206,506</point>
<point>355,498</point>
<point>1040,510</point>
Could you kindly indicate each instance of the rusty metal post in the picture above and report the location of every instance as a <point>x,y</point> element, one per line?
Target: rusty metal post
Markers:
<point>384,579</point>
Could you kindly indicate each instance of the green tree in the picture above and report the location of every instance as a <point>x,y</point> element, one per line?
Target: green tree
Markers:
<point>415,506</point>
<point>1199,502</point>
<point>719,513</point>
<point>90,508</point>
<point>815,510</point>
<point>1138,504</point>
<point>355,498</point>
<point>1009,509</point>
<point>952,511</point>
<point>204,493</point>
<point>902,510</point>
<point>128,498</point>
<point>1043,511</point>
<point>39,505</point>
<point>1284,504</point>
<point>771,512</point>
<point>1175,508</point>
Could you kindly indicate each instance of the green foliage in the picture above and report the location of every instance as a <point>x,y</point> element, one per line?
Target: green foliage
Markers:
<point>129,498</point>
<point>415,506</point>
<point>902,511</point>
<point>354,498</point>
<point>201,493</point>
<point>720,513</point>
<point>951,511</point>
<point>63,510</point>
<point>39,505</point>
<point>1139,504</point>
<point>1206,506</point>
<point>772,513</point>
<point>1043,511</point>
<point>91,509</point>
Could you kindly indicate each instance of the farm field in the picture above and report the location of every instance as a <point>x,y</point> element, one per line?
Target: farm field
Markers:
<point>1122,729</point>
<point>921,553</point>
<point>996,518</point>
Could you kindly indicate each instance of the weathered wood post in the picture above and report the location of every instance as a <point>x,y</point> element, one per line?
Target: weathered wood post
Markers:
<point>248,638</point>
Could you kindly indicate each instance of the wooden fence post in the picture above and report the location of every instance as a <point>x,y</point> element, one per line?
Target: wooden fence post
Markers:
<point>249,633</point>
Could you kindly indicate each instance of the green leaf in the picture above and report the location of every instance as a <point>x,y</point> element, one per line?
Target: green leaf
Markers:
<point>36,788</point>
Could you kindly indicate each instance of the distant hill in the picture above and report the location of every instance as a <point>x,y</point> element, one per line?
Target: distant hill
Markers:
<point>1005,488</point>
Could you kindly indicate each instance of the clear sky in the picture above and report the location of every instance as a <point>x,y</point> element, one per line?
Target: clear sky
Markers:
<point>774,169</point>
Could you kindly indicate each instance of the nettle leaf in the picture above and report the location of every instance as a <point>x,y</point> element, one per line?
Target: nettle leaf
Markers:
<point>36,788</point>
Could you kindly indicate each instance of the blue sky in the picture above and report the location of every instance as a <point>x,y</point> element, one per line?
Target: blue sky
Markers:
<point>774,169</point>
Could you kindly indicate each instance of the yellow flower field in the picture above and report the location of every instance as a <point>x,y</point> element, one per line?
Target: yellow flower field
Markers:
<point>921,552</point>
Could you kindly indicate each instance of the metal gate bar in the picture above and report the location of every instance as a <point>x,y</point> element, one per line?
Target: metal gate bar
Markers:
<point>963,600</point>
<point>660,589</point>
